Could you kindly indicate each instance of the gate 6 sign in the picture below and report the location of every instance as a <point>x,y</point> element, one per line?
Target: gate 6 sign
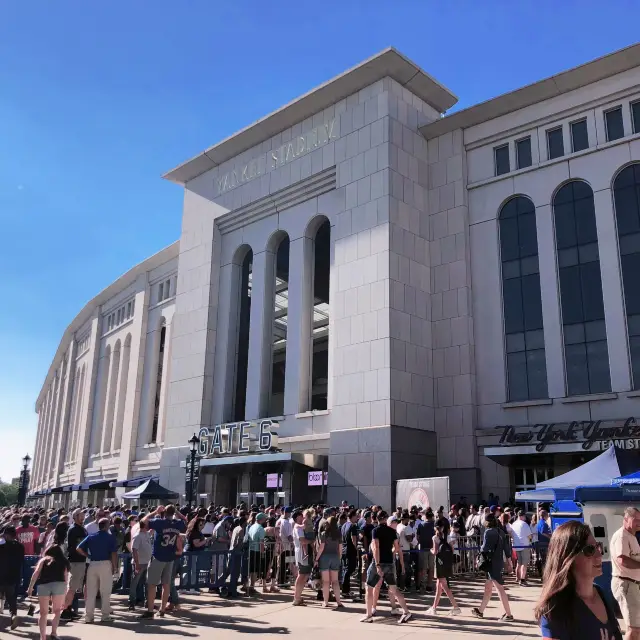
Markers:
<point>238,437</point>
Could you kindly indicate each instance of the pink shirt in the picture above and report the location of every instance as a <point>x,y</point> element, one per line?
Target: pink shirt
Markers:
<point>28,536</point>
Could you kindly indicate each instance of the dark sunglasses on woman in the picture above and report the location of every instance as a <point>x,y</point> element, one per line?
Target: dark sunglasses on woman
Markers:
<point>589,550</point>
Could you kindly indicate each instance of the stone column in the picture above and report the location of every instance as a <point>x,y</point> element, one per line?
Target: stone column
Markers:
<point>612,292</point>
<point>87,406</point>
<point>299,322</point>
<point>550,297</point>
<point>258,375</point>
<point>226,353</point>
<point>66,406</point>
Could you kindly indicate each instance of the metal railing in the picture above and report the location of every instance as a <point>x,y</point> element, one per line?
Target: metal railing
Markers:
<point>270,567</point>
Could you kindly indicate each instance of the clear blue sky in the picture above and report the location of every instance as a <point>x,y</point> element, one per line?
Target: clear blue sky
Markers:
<point>98,99</point>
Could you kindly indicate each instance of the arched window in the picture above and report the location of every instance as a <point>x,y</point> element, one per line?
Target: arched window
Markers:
<point>626,194</point>
<point>101,402</point>
<point>242,345</point>
<point>279,338</point>
<point>122,394</point>
<point>111,398</point>
<point>320,326</point>
<point>585,337</point>
<point>522,303</point>
<point>158,394</point>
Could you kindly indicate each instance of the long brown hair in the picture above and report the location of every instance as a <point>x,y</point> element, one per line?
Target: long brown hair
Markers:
<point>331,530</point>
<point>558,583</point>
<point>193,526</point>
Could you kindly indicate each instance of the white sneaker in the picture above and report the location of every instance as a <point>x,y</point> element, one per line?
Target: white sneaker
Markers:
<point>396,611</point>
<point>456,611</point>
<point>432,612</point>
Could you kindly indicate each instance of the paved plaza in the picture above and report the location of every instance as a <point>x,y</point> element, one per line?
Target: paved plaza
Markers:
<point>272,614</point>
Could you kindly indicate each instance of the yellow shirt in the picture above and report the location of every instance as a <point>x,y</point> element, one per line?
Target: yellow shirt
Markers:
<point>624,543</point>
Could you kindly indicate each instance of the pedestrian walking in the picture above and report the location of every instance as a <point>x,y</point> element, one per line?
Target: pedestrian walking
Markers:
<point>51,575</point>
<point>11,562</point>
<point>492,550</point>
<point>77,562</point>
<point>443,554</point>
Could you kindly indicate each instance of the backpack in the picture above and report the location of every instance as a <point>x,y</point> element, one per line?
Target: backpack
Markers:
<point>444,557</point>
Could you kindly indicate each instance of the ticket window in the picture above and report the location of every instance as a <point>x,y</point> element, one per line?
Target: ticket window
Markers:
<point>260,498</point>
<point>244,497</point>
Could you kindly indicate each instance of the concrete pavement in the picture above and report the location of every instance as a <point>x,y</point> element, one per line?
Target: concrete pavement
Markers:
<point>272,614</point>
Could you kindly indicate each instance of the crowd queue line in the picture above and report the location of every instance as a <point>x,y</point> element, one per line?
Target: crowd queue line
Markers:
<point>159,553</point>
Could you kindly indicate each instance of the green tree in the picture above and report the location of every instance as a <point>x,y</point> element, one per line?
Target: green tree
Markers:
<point>8,494</point>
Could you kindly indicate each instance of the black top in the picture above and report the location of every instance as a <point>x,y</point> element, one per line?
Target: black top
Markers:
<point>386,536</point>
<point>53,570</point>
<point>11,557</point>
<point>349,529</point>
<point>76,534</point>
<point>425,533</point>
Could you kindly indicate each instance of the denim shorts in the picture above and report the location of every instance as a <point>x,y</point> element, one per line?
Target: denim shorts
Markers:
<point>52,589</point>
<point>328,562</point>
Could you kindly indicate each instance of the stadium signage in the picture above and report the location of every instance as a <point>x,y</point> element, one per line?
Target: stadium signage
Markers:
<point>589,433</point>
<point>237,438</point>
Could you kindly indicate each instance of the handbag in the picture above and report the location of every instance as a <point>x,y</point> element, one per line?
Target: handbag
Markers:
<point>484,561</point>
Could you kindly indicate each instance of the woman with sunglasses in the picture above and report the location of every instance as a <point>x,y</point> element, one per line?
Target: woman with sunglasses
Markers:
<point>571,606</point>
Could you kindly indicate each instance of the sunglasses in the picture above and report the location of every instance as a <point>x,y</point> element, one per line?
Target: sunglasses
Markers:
<point>589,550</point>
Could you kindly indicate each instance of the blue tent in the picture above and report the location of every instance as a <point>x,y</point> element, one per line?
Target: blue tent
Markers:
<point>612,463</point>
<point>631,478</point>
<point>600,471</point>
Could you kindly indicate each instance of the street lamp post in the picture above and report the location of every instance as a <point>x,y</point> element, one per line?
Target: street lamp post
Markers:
<point>193,444</point>
<point>23,487</point>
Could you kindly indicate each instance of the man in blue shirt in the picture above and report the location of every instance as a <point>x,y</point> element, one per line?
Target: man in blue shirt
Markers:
<point>102,550</point>
<point>167,544</point>
<point>544,535</point>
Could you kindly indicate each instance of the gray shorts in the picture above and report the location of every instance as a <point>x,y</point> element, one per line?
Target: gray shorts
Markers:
<point>389,571</point>
<point>328,562</point>
<point>76,575</point>
<point>159,572</point>
<point>52,589</point>
<point>523,555</point>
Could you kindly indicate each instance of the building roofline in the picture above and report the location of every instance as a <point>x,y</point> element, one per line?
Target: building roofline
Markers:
<point>388,62</point>
<point>563,82</point>
<point>125,280</point>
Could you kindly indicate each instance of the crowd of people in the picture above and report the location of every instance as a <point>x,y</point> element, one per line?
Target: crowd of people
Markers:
<point>322,548</point>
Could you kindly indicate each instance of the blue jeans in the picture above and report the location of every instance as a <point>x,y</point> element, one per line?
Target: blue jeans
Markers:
<point>173,594</point>
<point>138,584</point>
<point>235,568</point>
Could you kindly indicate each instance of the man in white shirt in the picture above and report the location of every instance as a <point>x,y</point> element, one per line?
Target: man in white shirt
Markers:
<point>625,569</point>
<point>284,529</point>
<point>521,533</point>
<point>406,535</point>
<point>92,527</point>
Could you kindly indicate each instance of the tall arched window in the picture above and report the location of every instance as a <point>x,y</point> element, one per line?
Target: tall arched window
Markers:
<point>585,337</point>
<point>320,326</point>
<point>242,345</point>
<point>158,395</point>
<point>123,378</point>
<point>626,193</point>
<point>111,398</point>
<point>101,402</point>
<point>279,336</point>
<point>522,303</point>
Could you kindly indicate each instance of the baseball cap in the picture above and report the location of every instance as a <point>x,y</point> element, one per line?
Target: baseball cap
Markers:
<point>260,516</point>
<point>393,518</point>
<point>288,509</point>
<point>367,514</point>
<point>493,509</point>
